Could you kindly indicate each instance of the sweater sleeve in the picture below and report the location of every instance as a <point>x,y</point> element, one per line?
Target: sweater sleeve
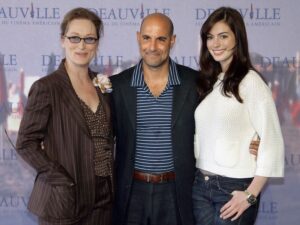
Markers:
<point>263,116</point>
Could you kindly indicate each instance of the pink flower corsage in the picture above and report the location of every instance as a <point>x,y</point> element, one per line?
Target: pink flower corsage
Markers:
<point>103,82</point>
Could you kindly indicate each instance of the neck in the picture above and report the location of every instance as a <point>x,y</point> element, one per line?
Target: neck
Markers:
<point>156,73</point>
<point>78,73</point>
<point>156,79</point>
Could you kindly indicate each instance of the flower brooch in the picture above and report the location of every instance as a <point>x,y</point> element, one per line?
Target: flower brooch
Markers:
<point>103,82</point>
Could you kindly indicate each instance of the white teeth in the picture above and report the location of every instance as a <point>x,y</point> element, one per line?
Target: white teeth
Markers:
<point>218,52</point>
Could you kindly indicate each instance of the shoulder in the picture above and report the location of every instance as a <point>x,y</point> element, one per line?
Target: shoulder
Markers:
<point>54,76</point>
<point>184,70</point>
<point>119,78</point>
<point>254,84</point>
<point>187,75</point>
<point>252,78</point>
<point>44,81</point>
<point>50,81</point>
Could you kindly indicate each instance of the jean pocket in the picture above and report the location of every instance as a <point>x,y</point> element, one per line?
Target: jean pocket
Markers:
<point>198,177</point>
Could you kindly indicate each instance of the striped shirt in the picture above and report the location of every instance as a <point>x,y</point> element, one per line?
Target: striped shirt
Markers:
<point>153,121</point>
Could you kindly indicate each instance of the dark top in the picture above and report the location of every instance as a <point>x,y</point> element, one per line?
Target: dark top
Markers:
<point>100,132</point>
<point>124,104</point>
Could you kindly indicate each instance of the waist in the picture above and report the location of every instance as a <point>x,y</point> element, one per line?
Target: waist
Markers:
<point>211,176</point>
<point>153,177</point>
<point>207,173</point>
<point>241,169</point>
<point>103,191</point>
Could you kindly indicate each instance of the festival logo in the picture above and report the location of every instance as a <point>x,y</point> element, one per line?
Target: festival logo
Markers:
<point>108,64</point>
<point>29,15</point>
<point>129,16</point>
<point>187,60</point>
<point>50,62</point>
<point>7,153</point>
<point>268,210</point>
<point>292,162</point>
<point>8,62</point>
<point>254,15</point>
<point>11,202</point>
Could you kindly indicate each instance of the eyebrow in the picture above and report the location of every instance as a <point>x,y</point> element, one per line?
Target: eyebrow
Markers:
<point>226,32</point>
<point>89,34</point>
<point>159,37</point>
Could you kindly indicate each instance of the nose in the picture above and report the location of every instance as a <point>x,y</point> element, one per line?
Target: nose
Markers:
<point>216,42</point>
<point>81,44</point>
<point>153,45</point>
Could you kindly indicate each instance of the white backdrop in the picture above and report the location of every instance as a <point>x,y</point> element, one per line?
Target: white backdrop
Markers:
<point>30,48</point>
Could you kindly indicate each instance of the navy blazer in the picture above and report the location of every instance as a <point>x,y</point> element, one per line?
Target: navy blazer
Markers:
<point>185,100</point>
<point>64,189</point>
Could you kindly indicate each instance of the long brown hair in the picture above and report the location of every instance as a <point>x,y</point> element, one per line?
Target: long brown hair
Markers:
<point>240,63</point>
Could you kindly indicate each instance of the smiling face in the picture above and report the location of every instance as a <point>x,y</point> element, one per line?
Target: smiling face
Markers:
<point>79,54</point>
<point>221,44</point>
<point>155,41</point>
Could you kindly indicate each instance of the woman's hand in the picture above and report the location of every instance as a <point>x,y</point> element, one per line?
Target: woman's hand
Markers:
<point>235,206</point>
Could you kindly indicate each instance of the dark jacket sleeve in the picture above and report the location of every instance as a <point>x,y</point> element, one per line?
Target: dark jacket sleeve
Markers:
<point>33,131</point>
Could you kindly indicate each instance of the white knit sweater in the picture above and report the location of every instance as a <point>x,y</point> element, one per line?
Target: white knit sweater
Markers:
<point>225,128</point>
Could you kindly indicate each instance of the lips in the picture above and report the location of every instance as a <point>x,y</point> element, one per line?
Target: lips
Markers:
<point>218,52</point>
<point>152,53</point>
<point>81,54</point>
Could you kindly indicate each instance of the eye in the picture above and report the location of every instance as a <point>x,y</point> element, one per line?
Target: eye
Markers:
<point>223,36</point>
<point>90,40</point>
<point>74,39</point>
<point>145,37</point>
<point>162,39</point>
<point>209,37</point>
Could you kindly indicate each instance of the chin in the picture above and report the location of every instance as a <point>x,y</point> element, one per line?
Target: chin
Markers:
<point>219,58</point>
<point>81,64</point>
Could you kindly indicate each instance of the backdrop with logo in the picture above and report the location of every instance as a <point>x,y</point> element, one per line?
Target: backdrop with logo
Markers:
<point>30,48</point>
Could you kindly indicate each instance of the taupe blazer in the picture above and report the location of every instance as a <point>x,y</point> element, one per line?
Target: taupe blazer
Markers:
<point>64,189</point>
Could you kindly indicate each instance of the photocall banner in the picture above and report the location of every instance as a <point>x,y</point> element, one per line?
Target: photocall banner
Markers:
<point>30,48</point>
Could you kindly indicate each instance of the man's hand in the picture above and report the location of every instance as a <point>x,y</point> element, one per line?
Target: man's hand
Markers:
<point>253,148</point>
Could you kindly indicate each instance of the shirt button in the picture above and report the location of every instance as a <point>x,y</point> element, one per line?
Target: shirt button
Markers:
<point>206,178</point>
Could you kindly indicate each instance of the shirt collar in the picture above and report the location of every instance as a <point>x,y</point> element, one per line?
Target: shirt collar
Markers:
<point>138,75</point>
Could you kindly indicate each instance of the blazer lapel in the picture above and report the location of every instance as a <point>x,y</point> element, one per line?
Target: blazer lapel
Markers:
<point>179,97</point>
<point>129,96</point>
<point>70,99</point>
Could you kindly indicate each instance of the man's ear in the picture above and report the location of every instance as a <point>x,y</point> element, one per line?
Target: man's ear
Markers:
<point>138,35</point>
<point>173,40</point>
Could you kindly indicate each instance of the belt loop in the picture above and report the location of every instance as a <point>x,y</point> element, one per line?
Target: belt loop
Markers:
<point>148,178</point>
<point>218,182</point>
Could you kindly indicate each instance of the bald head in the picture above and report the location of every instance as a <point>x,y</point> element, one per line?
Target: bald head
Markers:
<point>155,42</point>
<point>160,19</point>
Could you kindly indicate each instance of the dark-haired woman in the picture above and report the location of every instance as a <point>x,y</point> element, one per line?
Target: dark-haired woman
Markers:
<point>66,134</point>
<point>237,105</point>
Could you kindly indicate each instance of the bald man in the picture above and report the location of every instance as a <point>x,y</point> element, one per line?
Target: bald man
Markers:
<point>154,105</point>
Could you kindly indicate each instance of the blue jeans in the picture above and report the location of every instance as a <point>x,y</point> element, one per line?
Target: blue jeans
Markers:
<point>210,193</point>
<point>153,204</point>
